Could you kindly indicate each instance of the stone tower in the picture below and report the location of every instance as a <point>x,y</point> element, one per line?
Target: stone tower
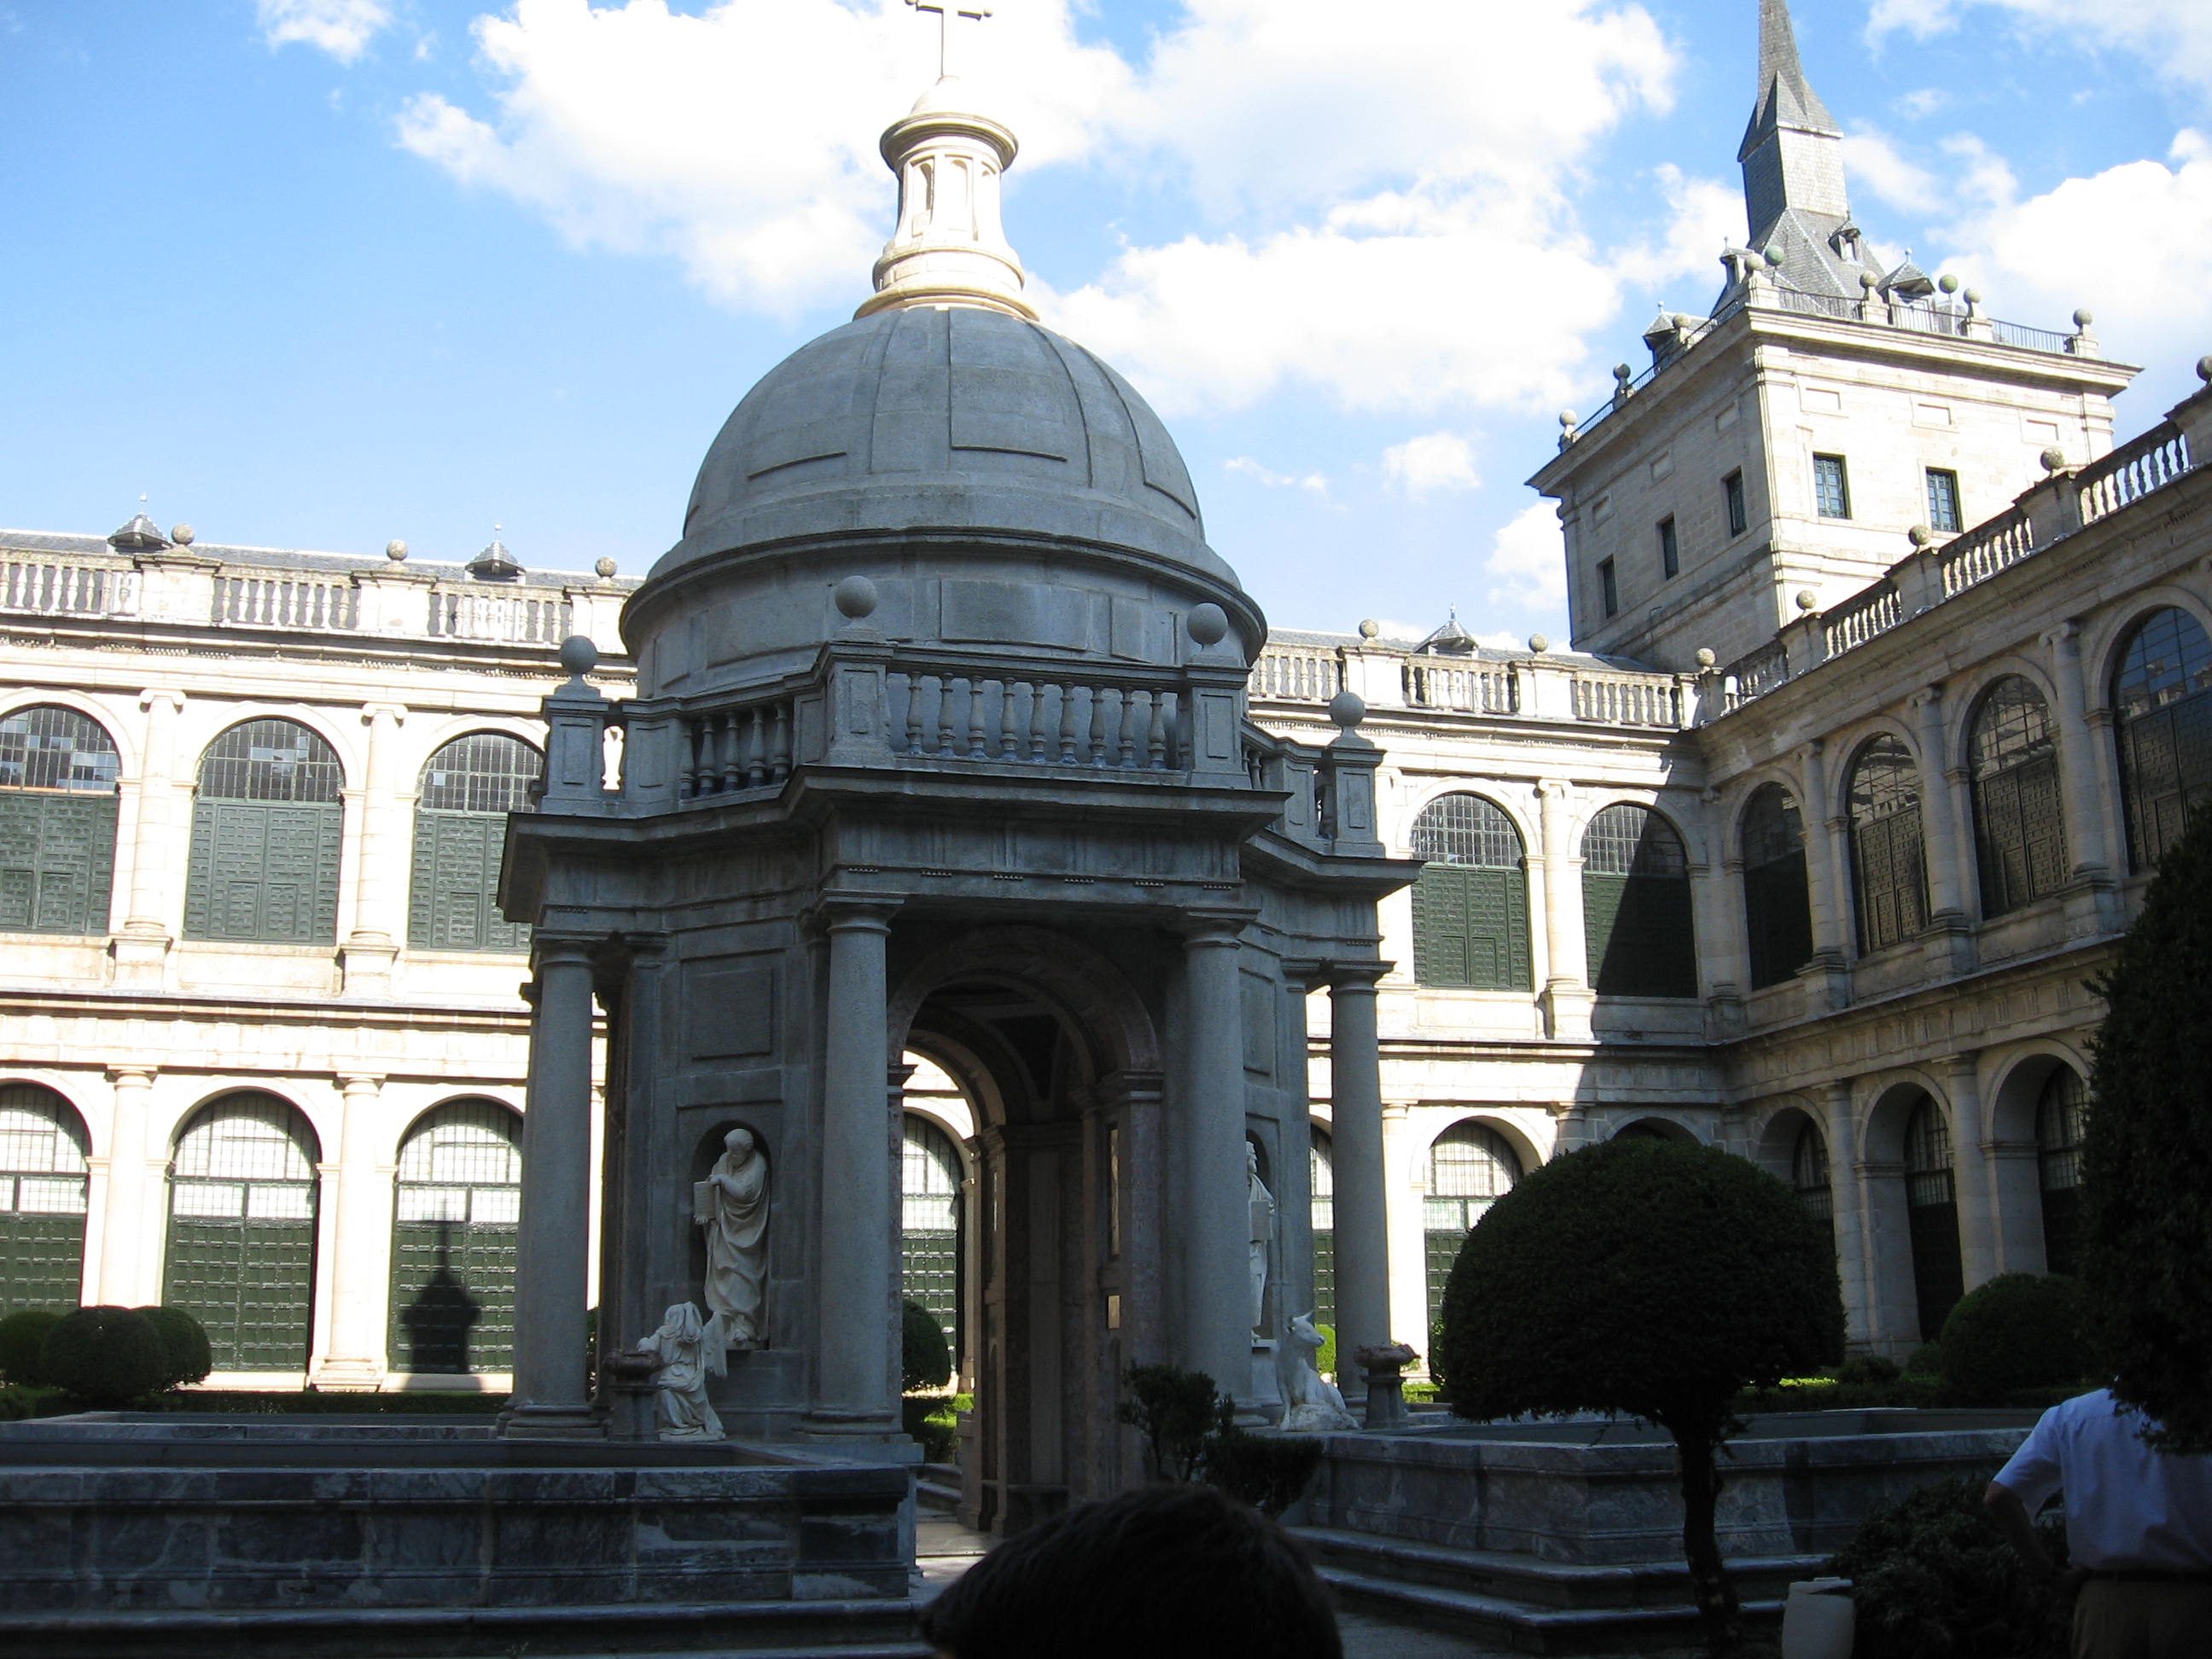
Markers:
<point>940,747</point>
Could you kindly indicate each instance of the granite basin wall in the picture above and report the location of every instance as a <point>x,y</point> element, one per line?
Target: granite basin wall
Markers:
<point>211,1518</point>
<point>1606,1494</point>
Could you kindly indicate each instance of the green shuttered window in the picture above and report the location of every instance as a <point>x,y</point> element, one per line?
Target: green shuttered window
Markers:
<point>2019,826</point>
<point>43,1173</point>
<point>2162,692</point>
<point>1931,1208</point>
<point>242,1255</point>
<point>458,1209</point>
<point>1777,905</point>
<point>266,832</point>
<point>58,808</point>
<point>1889,877</point>
<point>1471,1167</point>
<point>1635,906</point>
<point>1471,900</point>
<point>929,1223</point>
<point>2058,1166</point>
<point>1320,1174</point>
<point>469,787</point>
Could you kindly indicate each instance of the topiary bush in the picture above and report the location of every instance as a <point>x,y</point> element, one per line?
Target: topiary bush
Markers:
<point>2015,1331</point>
<point>1174,1410</point>
<point>1868,1369</point>
<point>1655,1278</point>
<point>1926,1360</point>
<point>924,1358</point>
<point>186,1357</point>
<point>1932,1579</point>
<point>21,1336</point>
<point>104,1356</point>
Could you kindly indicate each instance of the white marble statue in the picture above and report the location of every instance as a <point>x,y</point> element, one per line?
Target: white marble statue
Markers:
<point>1260,1204</point>
<point>687,1358</point>
<point>732,1204</point>
<point>1311,1402</point>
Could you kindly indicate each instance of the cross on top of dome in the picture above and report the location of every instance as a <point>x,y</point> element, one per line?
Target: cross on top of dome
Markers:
<point>947,11</point>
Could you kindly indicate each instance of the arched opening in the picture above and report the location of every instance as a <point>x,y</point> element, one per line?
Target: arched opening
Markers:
<point>267,824</point>
<point>1653,1128</point>
<point>1889,874</point>
<point>931,1222</point>
<point>1321,1184</point>
<point>1776,903</point>
<point>2162,701</point>
<point>1931,1208</point>
<point>1471,1167</point>
<point>455,1219</point>
<point>2058,1166</point>
<point>43,1175</point>
<point>241,1251</point>
<point>2020,823</point>
<point>1635,906</point>
<point>468,788</point>
<point>1470,899</point>
<point>1808,1176</point>
<point>57,807</point>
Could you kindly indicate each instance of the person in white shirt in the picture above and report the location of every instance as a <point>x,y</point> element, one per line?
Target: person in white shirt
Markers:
<point>2138,1527</point>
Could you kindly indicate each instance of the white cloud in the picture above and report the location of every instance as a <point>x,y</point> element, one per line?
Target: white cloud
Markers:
<point>342,29</point>
<point>1267,477</point>
<point>2174,36</point>
<point>1872,162</point>
<point>1923,102</point>
<point>1434,461</point>
<point>1528,561</point>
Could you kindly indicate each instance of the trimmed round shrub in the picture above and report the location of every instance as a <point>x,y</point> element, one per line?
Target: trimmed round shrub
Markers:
<point>1926,1360</point>
<point>22,1335</point>
<point>924,1358</point>
<point>104,1356</point>
<point>2015,1331</point>
<point>1866,1370</point>
<point>187,1356</point>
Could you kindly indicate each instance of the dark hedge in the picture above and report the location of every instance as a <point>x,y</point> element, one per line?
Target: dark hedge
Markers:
<point>2015,1331</point>
<point>925,1358</point>
<point>105,1357</point>
<point>21,1336</point>
<point>186,1357</point>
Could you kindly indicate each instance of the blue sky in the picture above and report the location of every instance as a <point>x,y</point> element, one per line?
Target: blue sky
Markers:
<point>319,273</point>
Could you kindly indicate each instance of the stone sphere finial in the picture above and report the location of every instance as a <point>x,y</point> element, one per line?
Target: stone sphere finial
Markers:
<point>1567,419</point>
<point>1208,624</point>
<point>1973,296</point>
<point>395,550</point>
<point>1539,644</point>
<point>855,597</point>
<point>1705,657</point>
<point>606,568</point>
<point>1920,535</point>
<point>181,534</point>
<point>1772,254</point>
<point>2204,370</point>
<point>1947,283</point>
<point>579,655</point>
<point>2052,458</point>
<point>1371,629</point>
<point>2084,317</point>
<point>1869,280</point>
<point>1808,600</point>
<point>1347,710</point>
<point>1623,373</point>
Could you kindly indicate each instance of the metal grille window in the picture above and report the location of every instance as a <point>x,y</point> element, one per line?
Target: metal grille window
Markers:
<point>2058,1161</point>
<point>42,1172</point>
<point>1739,515</point>
<point>266,828</point>
<point>469,787</point>
<point>1943,515</point>
<point>1889,878</point>
<point>1670,549</point>
<point>1931,1204</point>
<point>2162,694</point>
<point>458,1205</point>
<point>1832,489</point>
<point>1470,899</point>
<point>1471,1167</point>
<point>2019,826</point>
<point>1321,1176</point>
<point>58,814</point>
<point>1635,906</point>
<point>1809,1174</point>
<point>241,1255</point>
<point>1609,590</point>
<point>929,1222</point>
<point>1776,903</point>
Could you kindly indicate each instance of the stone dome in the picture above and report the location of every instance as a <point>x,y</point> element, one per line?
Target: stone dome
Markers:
<point>944,418</point>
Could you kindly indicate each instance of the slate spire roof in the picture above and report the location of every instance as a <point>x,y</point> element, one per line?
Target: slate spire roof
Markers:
<point>1786,99</point>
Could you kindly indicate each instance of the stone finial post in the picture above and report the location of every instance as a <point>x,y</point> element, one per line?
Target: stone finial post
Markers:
<point>576,717</point>
<point>1348,780</point>
<point>2193,416</point>
<point>2052,507</point>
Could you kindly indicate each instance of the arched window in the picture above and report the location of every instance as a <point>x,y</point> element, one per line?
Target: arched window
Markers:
<point>1931,1204</point>
<point>460,1202</point>
<point>1471,900</point>
<point>241,1256</point>
<point>1321,1176</point>
<point>1777,905</point>
<point>1471,1166</point>
<point>42,1182</point>
<point>1635,906</point>
<point>57,771</point>
<point>469,787</point>
<point>2020,825</point>
<point>266,828</point>
<point>2162,695</point>
<point>2058,1165</point>
<point>1889,876</point>
<point>1809,1174</point>
<point>929,1229</point>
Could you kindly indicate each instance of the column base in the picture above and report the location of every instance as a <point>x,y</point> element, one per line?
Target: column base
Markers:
<point>140,959</point>
<point>550,1423</point>
<point>347,1376</point>
<point>367,966</point>
<point>859,1436</point>
<point>1567,1007</point>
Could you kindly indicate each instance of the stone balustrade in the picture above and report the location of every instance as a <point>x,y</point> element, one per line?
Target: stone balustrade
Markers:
<point>1036,720</point>
<point>516,618</point>
<point>52,587</point>
<point>1474,689</point>
<point>745,747</point>
<point>1874,609</point>
<point>1619,699</point>
<point>285,602</point>
<point>1977,555</point>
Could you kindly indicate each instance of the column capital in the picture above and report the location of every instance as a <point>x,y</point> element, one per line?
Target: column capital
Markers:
<point>154,697</point>
<point>119,1075</point>
<point>2066,638</point>
<point>1965,1063</point>
<point>856,913</point>
<point>1357,977</point>
<point>1208,929</point>
<point>360,1082</point>
<point>1928,699</point>
<point>394,712</point>
<point>549,950</point>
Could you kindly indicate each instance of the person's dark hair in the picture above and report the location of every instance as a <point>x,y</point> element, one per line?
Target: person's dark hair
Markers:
<point>1165,1572</point>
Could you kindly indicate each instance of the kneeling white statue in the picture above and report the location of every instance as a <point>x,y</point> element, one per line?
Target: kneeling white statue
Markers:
<point>1314,1406</point>
<point>687,1358</point>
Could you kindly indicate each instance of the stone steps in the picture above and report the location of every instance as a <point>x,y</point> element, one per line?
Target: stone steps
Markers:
<point>937,1486</point>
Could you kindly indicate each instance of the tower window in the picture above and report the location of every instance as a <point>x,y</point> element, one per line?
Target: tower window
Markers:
<point>1739,518</point>
<point>1943,501</point>
<point>1670,552</point>
<point>1832,490</point>
<point>1609,590</point>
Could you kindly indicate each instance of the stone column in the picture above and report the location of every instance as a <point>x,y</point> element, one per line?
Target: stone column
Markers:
<point>127,1200</point>
<point>1401,1196</point>
<point>1847,1210</point>
<point>2084,764</point>
<point>380,868</point>
<point>1827,872</point>
<point>1217,1332</point>
<point>1939,809</point>
<point>1567,995</point>
<point>1363,1227</point>
<point>857,1294</point>
<point>1972,1173</point>
<point>553,1244</point>
<point>361,1260</point>
<point>142,948</point>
